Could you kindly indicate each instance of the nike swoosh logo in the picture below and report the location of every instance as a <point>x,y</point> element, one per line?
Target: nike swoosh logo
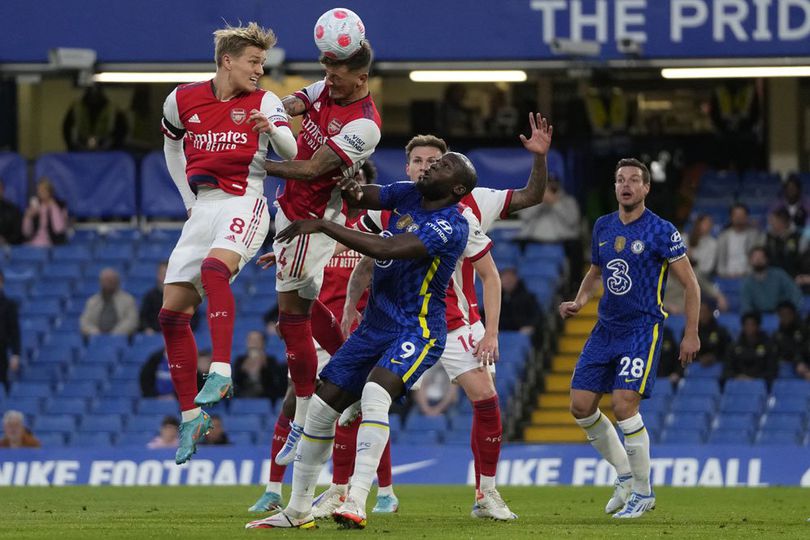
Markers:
<point>395,361</point>
<point>602,243</point>
<point>409,467</point>
<point>630,380</point>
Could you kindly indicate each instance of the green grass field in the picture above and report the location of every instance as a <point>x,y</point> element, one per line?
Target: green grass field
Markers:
<point>426,512</point>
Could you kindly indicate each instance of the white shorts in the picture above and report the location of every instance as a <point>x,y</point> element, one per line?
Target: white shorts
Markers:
<point>300,262</point>
<point>457,357</point>
<point>238,224</point>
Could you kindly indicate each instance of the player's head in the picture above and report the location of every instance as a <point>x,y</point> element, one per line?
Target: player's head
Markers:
<point>423,151</point>
<point>348,77</point>
<point>240,53</point>
<point>632,179</point>
<point>367,173</point>
<point>453,175</point>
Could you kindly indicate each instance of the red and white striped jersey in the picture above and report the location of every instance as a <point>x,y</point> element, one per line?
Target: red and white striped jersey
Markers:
<point>352,131</point>
<point>478,244</point>
<point>221,149</point>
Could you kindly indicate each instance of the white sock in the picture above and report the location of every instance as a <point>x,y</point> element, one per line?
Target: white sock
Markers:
<point>387,490</point>
<point>273,487</point>
<point>486,482</point>
<point>371,440</point>
<point>301,408</point>
<point>605,440</point>
<point>190,414</point>
<point>314,450</point>
<point>220,368</point>
<point>637,445</point>
<point>342,488</point>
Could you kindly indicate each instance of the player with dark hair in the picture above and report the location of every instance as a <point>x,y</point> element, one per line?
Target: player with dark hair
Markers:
<point>632,250</point>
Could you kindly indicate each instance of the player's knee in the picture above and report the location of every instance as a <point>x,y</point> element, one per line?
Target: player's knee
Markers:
<point>375,401</point>
<point>477,384</point>
<point>581,410</point>
<point>624,409</point>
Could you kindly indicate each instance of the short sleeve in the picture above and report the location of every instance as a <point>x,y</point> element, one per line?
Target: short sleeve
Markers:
<point>672,242</point>
<point>273,109</point>
<point>441,236</point>
<point>595,242</point>
<point>371,222</point>
<point>478,243</point>
<point>171,125</point>
<point>356,141</point>
<point>393,194</point>
<point>310,94</point>
<point>493,205</point>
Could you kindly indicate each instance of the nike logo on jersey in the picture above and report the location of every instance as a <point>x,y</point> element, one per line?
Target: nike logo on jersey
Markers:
<point>602,243</point>
<point>395,361</point>
<point>630,380</point>
<point>194,119</point>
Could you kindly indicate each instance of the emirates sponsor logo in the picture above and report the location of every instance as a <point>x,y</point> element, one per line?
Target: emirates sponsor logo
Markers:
<point>312,133</point>
<point>217,141</point>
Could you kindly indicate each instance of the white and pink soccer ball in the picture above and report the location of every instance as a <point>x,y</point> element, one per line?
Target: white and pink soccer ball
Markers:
<point>339,33</point>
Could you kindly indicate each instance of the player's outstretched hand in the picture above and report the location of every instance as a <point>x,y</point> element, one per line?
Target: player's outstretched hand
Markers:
<point>539,140</point>
<point>260,122</point>
<point>690,345</point>
<point>299,227</point>
<point>349,316</point>
<point>486,350</point>
<point>569,309</point>
<point>350,184</point>
<point>267,260</point>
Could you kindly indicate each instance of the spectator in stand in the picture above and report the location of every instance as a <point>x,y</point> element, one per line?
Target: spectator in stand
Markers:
<point>790,340</point>
<point>675,293</point>
<point>435,393</point>
<point>782,243</point>
<point>111,310</point>
<point>15,434</point>
<point>256,374</point>
<point>519,308</point>
<point>714,339</point>
<point>734,244</point>
<point>45,222</point>
<point>556,220</point>
<point>153,301</point>
<point>168,435</point>
<point>751,356</point>
<point>669,365</point>
<point>94,123</point>
<point>10,220</point>
<point>702,246</point>
<point>156,382</point>
<point>217,435</point>
<point>766,287</point>
<point>9,336</point>
<point>270,319</point>
<point>792,201</point>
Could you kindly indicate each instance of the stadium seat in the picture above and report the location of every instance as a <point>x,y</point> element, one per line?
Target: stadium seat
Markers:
<point>164,407</point>
<point>683,436</point>
<point>729,421</point>
<point>241,438</point>
<point>29,254</point>
<point>110,423</point>
<point>784,422</point>
<point>64,423</point>
<point>457,437</point>
<point>89,372</point>
<point>92,439</point>
<point>158,195</point>
<point>787,370</point>
<point>261,406</point>
<point>698,404</point>
<point>730,436</point>
<point>751,388</point>
<point>71,253</point>
<point>791,387</point>
<point>16,290</point>
<point>113,405</point>
<point>30,406</point>
<point>135,438</point>
<point>731,322</point>
<point>698,387</point>
<point>148,423</point>
<point>130,389</point>
<point>656,403</point>
<point>24,389</point>
<point>42,373</point>
<point>76,406</point>
<point>79,389</point>
<point>62,270</point>
<point>51,439</point>
<point>741,403</point>
<point>676,322</point>
<point>138,287</point>
<point>691,420</point>
<point>418,437</point>
<point>92,184</point>
<point>243,422</point>
<point>697,370</point>
<point>55,353</point>
<point>778,437</point>
<point>46,307</point>
<point>419,422</point>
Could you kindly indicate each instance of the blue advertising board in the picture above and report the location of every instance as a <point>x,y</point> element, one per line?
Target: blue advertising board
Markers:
<point>159,31</point>
<point>520,465</point>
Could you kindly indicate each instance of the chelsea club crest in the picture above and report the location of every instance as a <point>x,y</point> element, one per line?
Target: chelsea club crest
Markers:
<point>637,246</point>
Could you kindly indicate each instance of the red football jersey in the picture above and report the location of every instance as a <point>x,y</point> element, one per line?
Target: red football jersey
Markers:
<point>352,131</point>
<point>222,150</point>
<point>336,278</point>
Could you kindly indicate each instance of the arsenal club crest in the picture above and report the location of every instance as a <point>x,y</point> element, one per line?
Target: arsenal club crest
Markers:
<point>334,127</point>
<point>238,116</point>
<point>619,244</point>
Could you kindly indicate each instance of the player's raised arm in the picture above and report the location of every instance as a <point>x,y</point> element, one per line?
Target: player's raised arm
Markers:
<point>294,105</point>
<point>323,160</point>
<point>486,350</point>
<point>690,345</point>
<point>569,309</point>
<point>538,142</point>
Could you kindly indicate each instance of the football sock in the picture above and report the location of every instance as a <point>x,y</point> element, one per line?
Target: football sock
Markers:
<point>280,433</point>
<point>301,409</point>
<point>343,456</point>
<point>216,280</point>
<point>296,331</point>
<point>488,430</point>
<point>385,490</point>
<point>191,414</point>
<point>605,440</point>
<point>273,487</point>
<point>384,475</point>
<point>220,368</point>
<point>476,458</point>
<point>486,482</point>
<point>371,440</point>
<point>181,350</point>
<point>325,328</point>
<point>313,452</point>
<point>637,445</point>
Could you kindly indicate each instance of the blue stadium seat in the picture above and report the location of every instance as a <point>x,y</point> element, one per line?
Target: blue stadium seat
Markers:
<point>143,269</point>
<point>53,287</point>
<point>243,422</point>
<point>457,437</point>
<point>787,370</point>
<point>731,436</point>
<point>51,439</point>
<point>16,290</point>
<point>779,437</point>
<point>63,270</point>
<point>731,322</point>
<point>90,372</point>
<point>76,406</point>
<point>47,307</point>
<point>697,370</point>
<point>654,422</point>
<point>116,254</point>
<point>114,405</point>
<point>92,439</point>
<point>419,422</point>
<point>241,438</point>
<point>64,423</point>
<point>791,387</point>
<point>259,406</point>
<point>736,421</point>
<point>93,269</point>
<point>698,387</point>
<point>138,287</point>
<point>105,348</point>
<point>158,195</point>
<point>42,373</point>
<point>29,254</point>
<point>14,172</point>
<point>543,251</point>
<point>515,341</point>
<point>698,404</point>
<point>655,403</point>
<point>110,423</point>
<point>24,389</point>
<point>165,407</point>
<point>148,423</point>
<point>152,252</point>
<point>691,420</point>
<point>79,389</point>
<point>92,184</point>
<point>683,436</point>
<point>135,438</point>
<point>752,388</point>
<point>461,421</point>
<point>257,304</point>
<point>676,322</point>
<point>784,422</point>
<point>418,437</point>
<point>741,403</point>
<point>55,354</point>
<point>130,389</point>
<point>72,253</point>
<point>65,339</point>
<point>30,406</point>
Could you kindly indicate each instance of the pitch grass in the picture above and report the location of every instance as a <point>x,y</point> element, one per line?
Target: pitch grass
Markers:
<point>426,512</point>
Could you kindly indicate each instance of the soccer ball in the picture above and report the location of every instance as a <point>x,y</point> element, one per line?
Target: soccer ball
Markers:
<point>339,33</point>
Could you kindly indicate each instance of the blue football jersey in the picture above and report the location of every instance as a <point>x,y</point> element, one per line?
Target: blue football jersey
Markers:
<point>634,260</point>
<point>410,293</point>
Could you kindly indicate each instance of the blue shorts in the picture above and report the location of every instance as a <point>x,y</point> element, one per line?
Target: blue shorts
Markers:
<point>405,353</point>
<point>616,358</point>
